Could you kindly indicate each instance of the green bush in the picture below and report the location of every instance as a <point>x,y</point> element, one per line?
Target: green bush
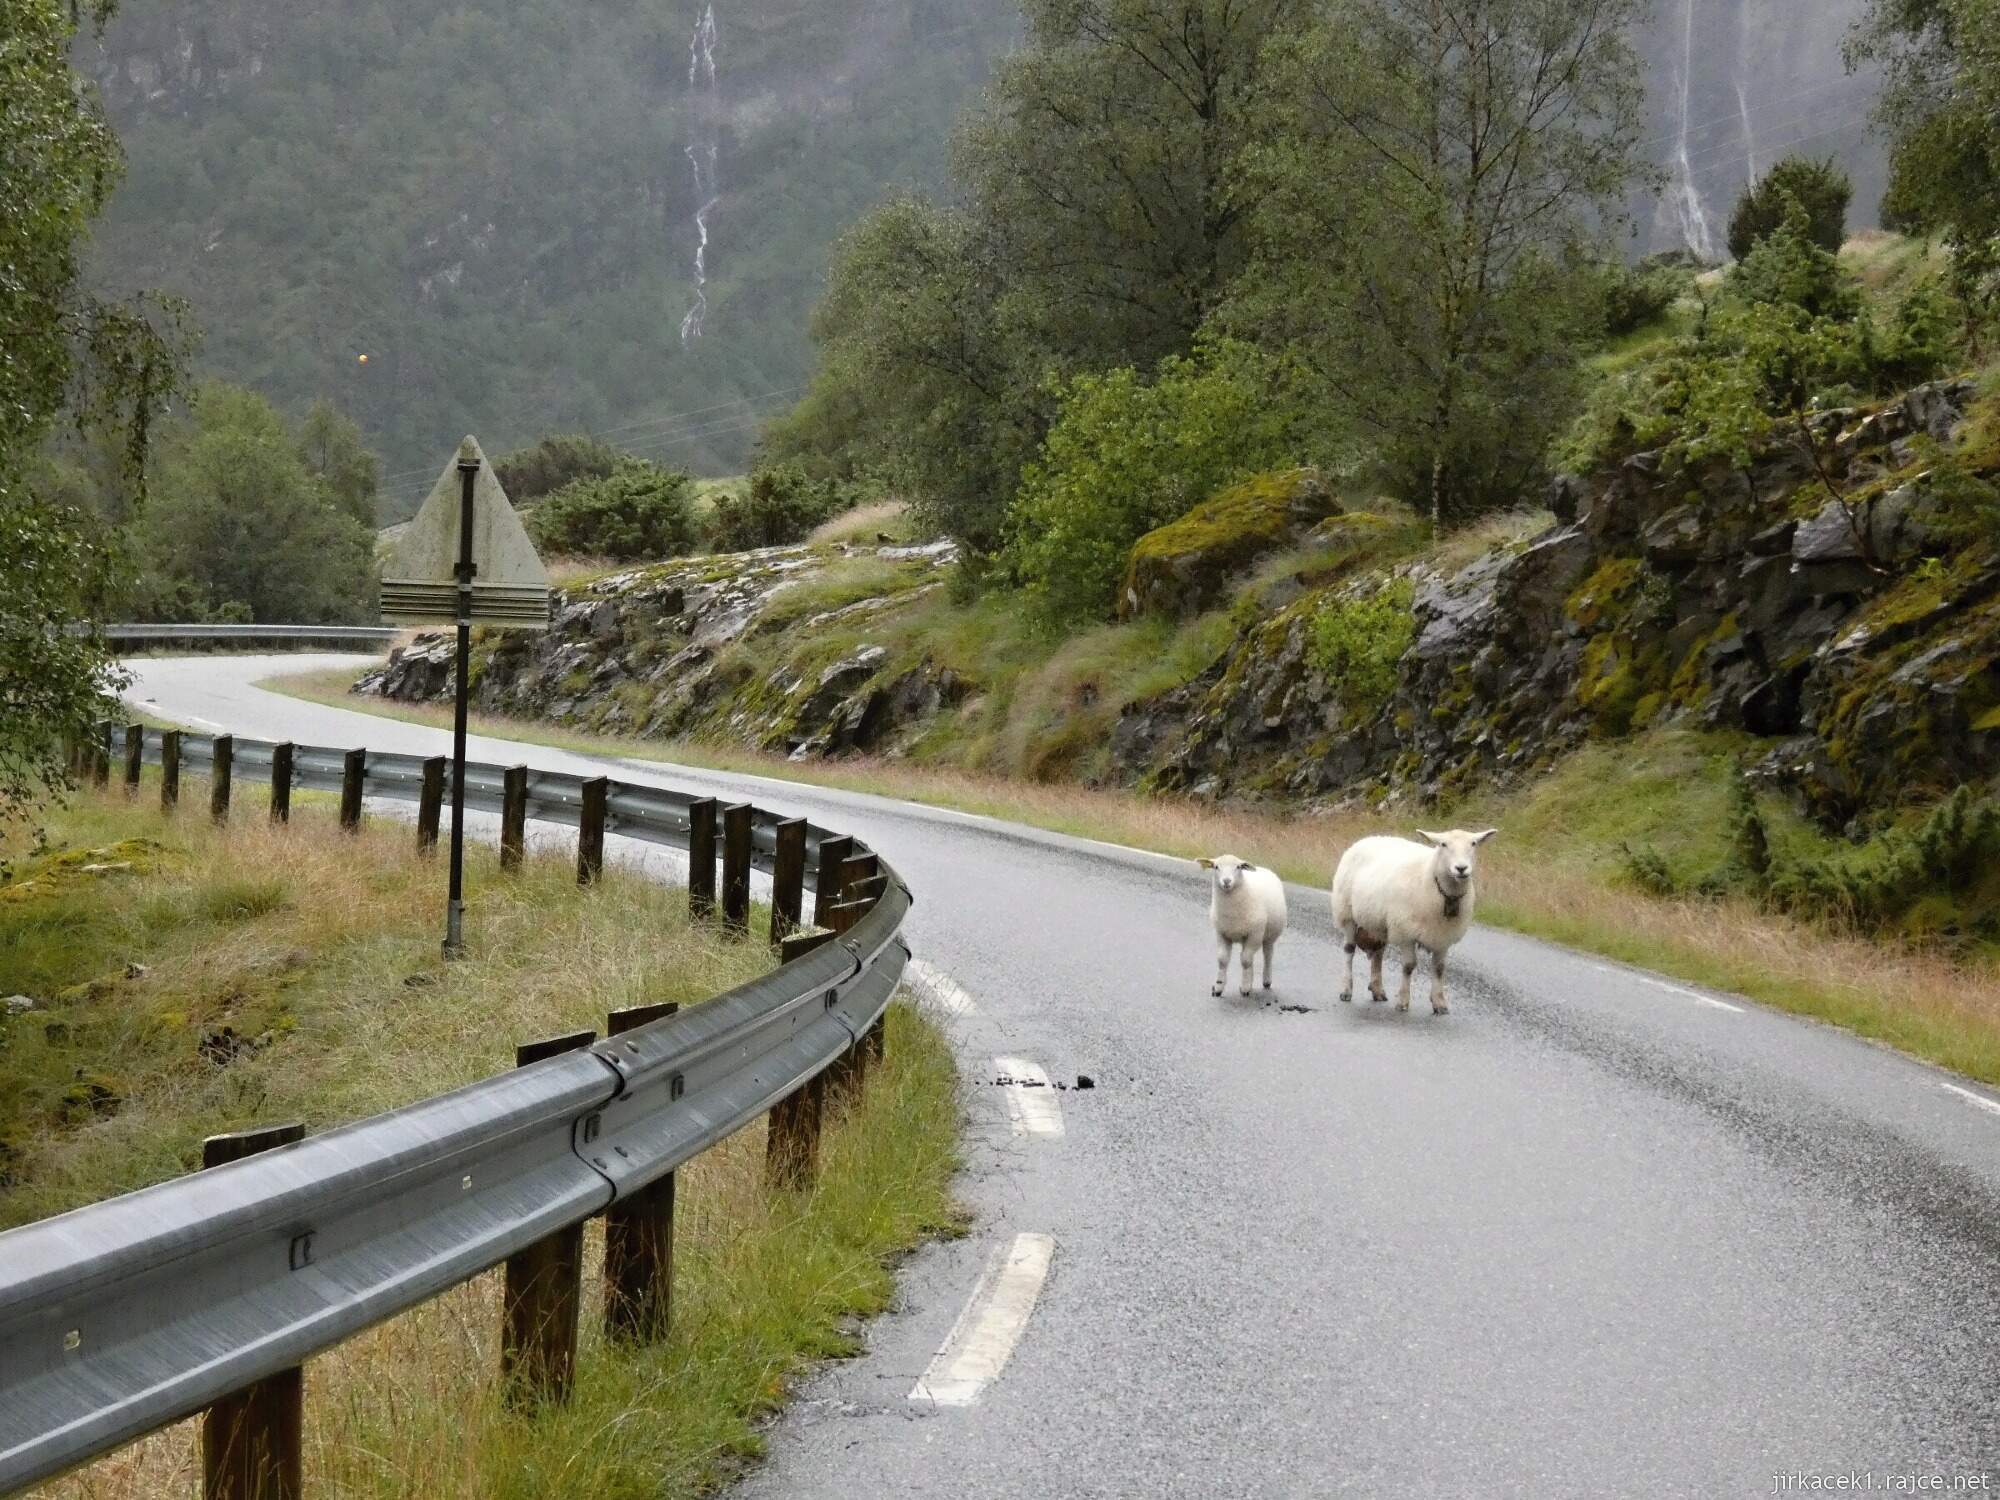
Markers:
<point>1356,643</point>
<point>1637,295</point>
<point>783,505</point>
<point>639,510</point>
<point>556,461</point>
<point>1819,186</point>
<point>1923,337</point>
<point>1126,455</point>
<point>1789,265</point>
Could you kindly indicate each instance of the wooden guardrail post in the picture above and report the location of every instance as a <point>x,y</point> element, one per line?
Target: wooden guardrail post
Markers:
<point>852,872</point>
<point>590,830</point>
<point>100,757</point>
<point>788,879</point>
<point>170,769</point>
<point>430,804</point>
<point>799,944</point>
<point>252,1442</point>
<point>791,1150</point>
<point>833,853</point>
<point>135,754</point>
<point>544,1287</point>
<point>281,782</point>
<point>514,817</point>
<point>736,867</point>
<point>639,1234</point>
<point>701,857</point>
<point>221,771</point>
<point>353,767</point>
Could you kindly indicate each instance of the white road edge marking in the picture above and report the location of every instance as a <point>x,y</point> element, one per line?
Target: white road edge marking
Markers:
<point>939,989</point>
<point>995,1316</point>
<point>1035,1109</point>
<point>1991,1106</point>
<point>1672,989</point>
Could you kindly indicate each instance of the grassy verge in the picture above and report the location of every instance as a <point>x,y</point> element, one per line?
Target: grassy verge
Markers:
<point>141,938</point>
<point>1554,873</point>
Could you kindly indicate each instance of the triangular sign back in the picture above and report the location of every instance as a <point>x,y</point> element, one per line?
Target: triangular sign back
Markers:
<point>420,578</point>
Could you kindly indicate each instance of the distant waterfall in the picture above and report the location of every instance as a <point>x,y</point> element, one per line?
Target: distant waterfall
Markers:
<point>1682,194</point>
<point>1743,111</point>
<point>701,154</point>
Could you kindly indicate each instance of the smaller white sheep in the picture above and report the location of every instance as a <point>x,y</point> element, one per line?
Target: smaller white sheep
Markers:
<point>1247,905</point>
<point>1397,893</point>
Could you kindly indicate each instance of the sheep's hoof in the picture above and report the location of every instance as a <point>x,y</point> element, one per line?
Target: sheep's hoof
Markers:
<point>1402,1005</point>
<point>1216,992</point>
<point>1244,992</point>
<point>1267,984</point>
<point>1378,999</point>
<point>1438,1008</point>
<point>1347,997</point>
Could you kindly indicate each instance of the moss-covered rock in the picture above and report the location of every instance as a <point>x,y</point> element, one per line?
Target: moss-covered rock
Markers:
<point>1184,567</point>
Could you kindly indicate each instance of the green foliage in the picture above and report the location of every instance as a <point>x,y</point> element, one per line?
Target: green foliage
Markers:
<point>105,364</point>
<point>1356,642</point>
<point>1441,289</point>
<point>335,454</point>
<point>1881,885</point>
<point>920,378</point>
<point>783,504</point>
<point>1940,106</point>
<point>1788,266</point>
<point>1637,295</point>
<point>561,458</point>
<point>1126,455</point>
<point>638,511</point>
<point>1819,186</point>
<point>1923,338</point>
<point>239,526</point>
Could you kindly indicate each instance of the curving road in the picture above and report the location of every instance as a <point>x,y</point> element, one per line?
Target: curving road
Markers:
<point>1591,1234</point>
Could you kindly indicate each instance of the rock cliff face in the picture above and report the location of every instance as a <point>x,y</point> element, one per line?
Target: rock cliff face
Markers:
<point>1860,639</point>
<point>1843,614</point>
<point>648,651</point>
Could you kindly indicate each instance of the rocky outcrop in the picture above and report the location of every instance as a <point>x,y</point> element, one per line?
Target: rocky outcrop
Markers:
<point>1185,567</point>
<point>1859,633</point>
<point>715,645</point>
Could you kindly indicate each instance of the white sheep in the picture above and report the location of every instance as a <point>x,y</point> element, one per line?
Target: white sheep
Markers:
<point>1247,905</point>
<point>1397,893</point>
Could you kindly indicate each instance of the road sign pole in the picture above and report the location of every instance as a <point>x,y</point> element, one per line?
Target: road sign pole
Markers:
<point>454,916</point>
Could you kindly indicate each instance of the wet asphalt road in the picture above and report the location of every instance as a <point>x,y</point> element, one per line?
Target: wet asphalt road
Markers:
<point>1588,1235</point>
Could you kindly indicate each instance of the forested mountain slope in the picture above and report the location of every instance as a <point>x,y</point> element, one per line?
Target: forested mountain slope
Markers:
<point>495,203</point>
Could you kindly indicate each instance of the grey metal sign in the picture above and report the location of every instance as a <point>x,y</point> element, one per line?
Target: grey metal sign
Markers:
<point>420,578</point>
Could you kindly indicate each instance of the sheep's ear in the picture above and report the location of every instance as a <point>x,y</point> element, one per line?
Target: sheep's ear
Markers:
<point>1480,838</point>
<point>1206,864</point>
<point>1435,840</point>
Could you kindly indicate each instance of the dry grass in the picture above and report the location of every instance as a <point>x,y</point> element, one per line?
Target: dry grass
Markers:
<point>765,1283</point>
<point>1929,1003</point>
<point>864,522</point>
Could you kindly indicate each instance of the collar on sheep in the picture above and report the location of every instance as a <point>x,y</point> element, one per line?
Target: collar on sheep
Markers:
<point>1451,902</point>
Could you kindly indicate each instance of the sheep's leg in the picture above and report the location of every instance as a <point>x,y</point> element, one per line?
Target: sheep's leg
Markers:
<point>1438,1007</point>
<point>1408,955</point>
<point>1222,947</point>
<point>1270,947</point>
<point>1375,990</point>
<point>1347,979</point>
<point>1247,952</point>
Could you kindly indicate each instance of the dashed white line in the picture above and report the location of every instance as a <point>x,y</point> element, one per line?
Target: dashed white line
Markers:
<point>982,1340</point>
<point>939,989</point>
<point>1991,1106</point>
<point>1031,1102</point>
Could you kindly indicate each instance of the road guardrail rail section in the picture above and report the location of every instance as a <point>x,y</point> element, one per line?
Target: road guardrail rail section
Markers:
<point>128,1314</point>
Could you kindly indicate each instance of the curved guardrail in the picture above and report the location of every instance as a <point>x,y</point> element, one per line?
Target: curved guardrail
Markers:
<point>126,1315</point>
<point>146,637</point>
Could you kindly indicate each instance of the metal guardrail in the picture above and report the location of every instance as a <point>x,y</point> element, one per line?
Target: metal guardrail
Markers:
<point>362,636</point>
<point>125,1315</point>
